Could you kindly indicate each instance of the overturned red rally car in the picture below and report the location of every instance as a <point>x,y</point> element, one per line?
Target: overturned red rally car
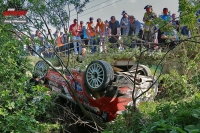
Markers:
<point>103,92</point>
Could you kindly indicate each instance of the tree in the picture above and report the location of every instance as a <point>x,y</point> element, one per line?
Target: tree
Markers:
<point>16,103</point>
<point>174,110</point>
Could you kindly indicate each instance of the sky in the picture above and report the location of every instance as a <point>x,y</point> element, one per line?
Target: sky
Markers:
<point>104,9</point>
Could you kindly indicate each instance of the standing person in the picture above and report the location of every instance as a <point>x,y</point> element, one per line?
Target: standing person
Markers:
<point>164,36</point>
<point>124,22</point>
<point>166,16</point>
<point>65,39</point>
<point>149,29</point>
<point>59,42</point>
<point>75,30</point>
<point>106,33</point>
<point>48,45</point>
<point>134,29</point>
<point>114,30</point>
<point>102,32</point>
<point>175,22</point>
<point>41,44</point>
<point>91,34</point>
<point>60,47</point>
<point>56,34</point>
<point>106,27</point>
<point>35,44</point>
<point>38,43</point>
<point>84,37</point>
<point>84,33</point>
<point>198,20</point>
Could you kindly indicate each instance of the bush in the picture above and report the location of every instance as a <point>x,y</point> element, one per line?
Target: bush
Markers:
<point>175,87</point>
<point>162,117</point>
<point>20,111</point>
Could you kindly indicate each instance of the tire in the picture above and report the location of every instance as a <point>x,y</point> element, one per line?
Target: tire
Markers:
<point>98,75</point>
<point>41,69</point>
<point>142,70</point>
<point>110,70</point>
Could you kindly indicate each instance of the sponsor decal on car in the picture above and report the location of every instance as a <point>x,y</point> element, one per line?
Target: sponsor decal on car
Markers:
<point>67,94</point>
<point>56,78</point>
<point>77,86</point>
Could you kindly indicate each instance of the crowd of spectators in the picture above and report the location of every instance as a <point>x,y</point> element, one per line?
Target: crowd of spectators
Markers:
<point>81,35</point>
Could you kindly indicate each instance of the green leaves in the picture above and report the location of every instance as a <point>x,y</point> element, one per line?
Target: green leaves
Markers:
<point>196,113</point>
<point>10,105</point>
<point>193,128</point>
<point>3,112</point>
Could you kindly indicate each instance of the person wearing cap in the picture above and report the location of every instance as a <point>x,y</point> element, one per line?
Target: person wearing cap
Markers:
<point>149,28</point>
<point>101,28</point>
<point>114,31</point>
<point>134,29</point>
<point>124,22</point>
<point>75,30</point>
<point>91,34</point>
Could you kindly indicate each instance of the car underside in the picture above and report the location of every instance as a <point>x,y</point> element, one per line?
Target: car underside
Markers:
<point>103,91</point>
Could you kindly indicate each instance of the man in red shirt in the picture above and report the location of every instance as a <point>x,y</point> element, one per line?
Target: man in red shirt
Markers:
<point>75,30</point>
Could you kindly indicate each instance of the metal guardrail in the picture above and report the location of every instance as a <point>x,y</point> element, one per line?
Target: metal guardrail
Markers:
<point>65,48</point>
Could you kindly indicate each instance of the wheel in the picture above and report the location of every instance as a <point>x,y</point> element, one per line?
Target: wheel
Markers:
<point>142,70</point>
<point>98,75</point>
<point>41,68</point>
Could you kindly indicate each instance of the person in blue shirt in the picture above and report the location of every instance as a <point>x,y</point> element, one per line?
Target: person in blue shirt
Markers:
<point>124,22</point>
<point>197,14</point>
<point>133,26</point>
<point>171,36</point>
<point>166,16</point>
<point>134,29</point>
<point>185,31</point>
<point>84,33</point>
<point>198,20</point>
